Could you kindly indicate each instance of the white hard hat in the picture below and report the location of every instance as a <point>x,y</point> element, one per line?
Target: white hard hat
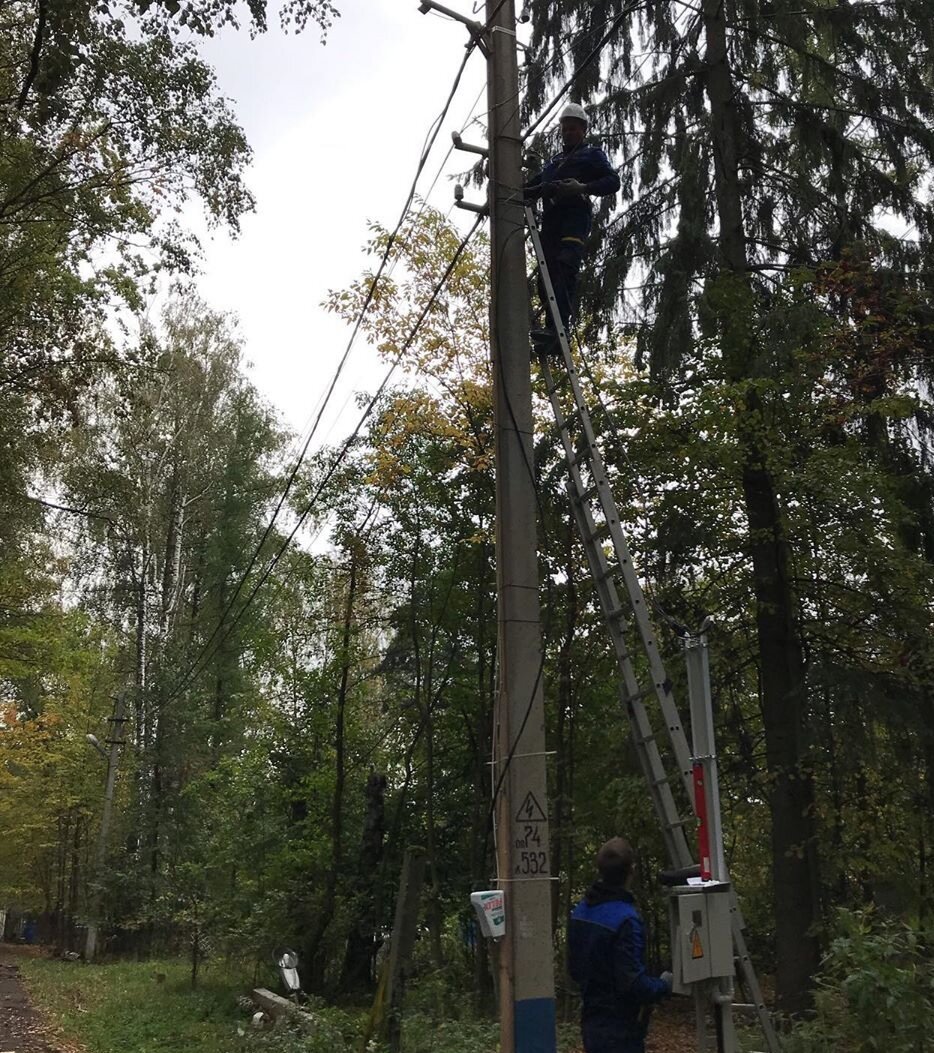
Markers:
<point>574,110</point>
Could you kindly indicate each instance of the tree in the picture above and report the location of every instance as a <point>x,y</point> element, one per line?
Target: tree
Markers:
<point>175,457</point>
<point>57,674</point>
<point>755,141</point>
<point>120,130</point>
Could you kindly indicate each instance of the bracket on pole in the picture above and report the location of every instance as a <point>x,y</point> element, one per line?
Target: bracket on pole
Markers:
<point>468,206</point>
<point>468,148</point>
<point>477,29</point>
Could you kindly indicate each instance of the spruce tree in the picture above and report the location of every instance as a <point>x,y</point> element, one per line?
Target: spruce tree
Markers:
<point>754,138</point>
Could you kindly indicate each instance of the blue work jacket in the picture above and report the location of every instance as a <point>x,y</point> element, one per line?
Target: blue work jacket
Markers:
<point>606,957</point>
<point>571,216</point>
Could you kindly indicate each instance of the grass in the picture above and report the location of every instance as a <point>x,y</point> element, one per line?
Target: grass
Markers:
<point>125,1008</point>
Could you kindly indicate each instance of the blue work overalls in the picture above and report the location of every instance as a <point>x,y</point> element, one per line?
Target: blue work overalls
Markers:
<point>566,220</point>
<point>606,959</point>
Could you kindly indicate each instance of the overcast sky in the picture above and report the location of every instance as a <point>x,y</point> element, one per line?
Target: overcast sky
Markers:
<point>337,131</point>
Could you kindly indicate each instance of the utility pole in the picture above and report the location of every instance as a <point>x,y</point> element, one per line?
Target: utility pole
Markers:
<point>527,1000</point>
<point>100,855</point>
<point>523,850</point>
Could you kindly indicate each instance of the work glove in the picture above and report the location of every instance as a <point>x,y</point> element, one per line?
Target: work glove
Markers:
<point>668,979</point>
<point>569,188</point>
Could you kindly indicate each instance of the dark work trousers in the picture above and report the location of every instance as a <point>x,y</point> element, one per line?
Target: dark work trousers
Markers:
<point>612,1035</point>
<point>563,258</point>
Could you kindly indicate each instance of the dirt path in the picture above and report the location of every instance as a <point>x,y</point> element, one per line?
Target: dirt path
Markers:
<point>22,1029</point>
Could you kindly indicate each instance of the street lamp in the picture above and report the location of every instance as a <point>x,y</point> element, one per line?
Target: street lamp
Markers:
<point>96,743</point>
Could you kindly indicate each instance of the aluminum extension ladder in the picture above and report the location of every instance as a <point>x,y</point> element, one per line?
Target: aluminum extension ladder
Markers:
<point>597,517</point>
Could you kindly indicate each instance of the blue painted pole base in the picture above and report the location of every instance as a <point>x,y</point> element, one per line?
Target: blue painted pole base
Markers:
<point>536,1026</point>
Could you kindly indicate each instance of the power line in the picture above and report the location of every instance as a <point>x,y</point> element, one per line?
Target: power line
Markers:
<point>427,147</point>
<point>207,652</point>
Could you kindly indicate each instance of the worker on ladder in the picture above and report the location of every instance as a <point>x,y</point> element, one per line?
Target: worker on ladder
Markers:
<point>566,185</point>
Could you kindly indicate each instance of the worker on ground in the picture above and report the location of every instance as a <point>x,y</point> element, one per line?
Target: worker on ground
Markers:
<point>606,958</point>
<point>566,184</point>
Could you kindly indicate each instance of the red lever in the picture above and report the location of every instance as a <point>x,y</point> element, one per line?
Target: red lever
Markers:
<point>703,831</point>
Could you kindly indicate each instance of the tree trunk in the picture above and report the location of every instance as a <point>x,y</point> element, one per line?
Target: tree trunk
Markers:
<point>422,697</point>
<point>142,657</point>
<point>316,959</point>
<point>172,562</point>
<point>74,885</point>
<point>361,943</point>
<point>791,797</point>
<point>783,686</point>
<point>433,906</point>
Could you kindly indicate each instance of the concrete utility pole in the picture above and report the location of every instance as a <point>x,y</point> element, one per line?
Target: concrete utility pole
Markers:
<point>527,999</point>
<point>100,855</point>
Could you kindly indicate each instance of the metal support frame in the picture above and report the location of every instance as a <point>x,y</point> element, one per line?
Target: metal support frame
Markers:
<point>468,148</point>
<point>468,206</point>
<point>718,994</point>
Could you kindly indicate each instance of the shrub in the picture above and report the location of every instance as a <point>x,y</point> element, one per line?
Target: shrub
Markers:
<point>875,990</point>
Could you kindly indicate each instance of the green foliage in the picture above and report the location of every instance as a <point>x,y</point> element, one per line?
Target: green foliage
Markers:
<point>242,820</point>
<point>335,1031</point>
<point>58,670</point>
<point>112,127</point>
<point>875,991</point>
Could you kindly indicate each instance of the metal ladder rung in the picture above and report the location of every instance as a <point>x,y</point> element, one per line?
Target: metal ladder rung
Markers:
<point>581,497</point>
<point>605,575</point>
<point>639,696</point>
<point>581,456</point>
<point>602,530</point>
<point>681,823</point>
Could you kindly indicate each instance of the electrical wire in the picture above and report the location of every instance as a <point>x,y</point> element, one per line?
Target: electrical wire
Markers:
<point>498,780</point>
<point>497,786</point>
<point>427,147</point>
<point>206,653</point>
<point>413,223</point>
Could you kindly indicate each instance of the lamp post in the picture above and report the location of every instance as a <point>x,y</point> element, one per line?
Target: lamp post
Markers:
<point>112,757</point>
